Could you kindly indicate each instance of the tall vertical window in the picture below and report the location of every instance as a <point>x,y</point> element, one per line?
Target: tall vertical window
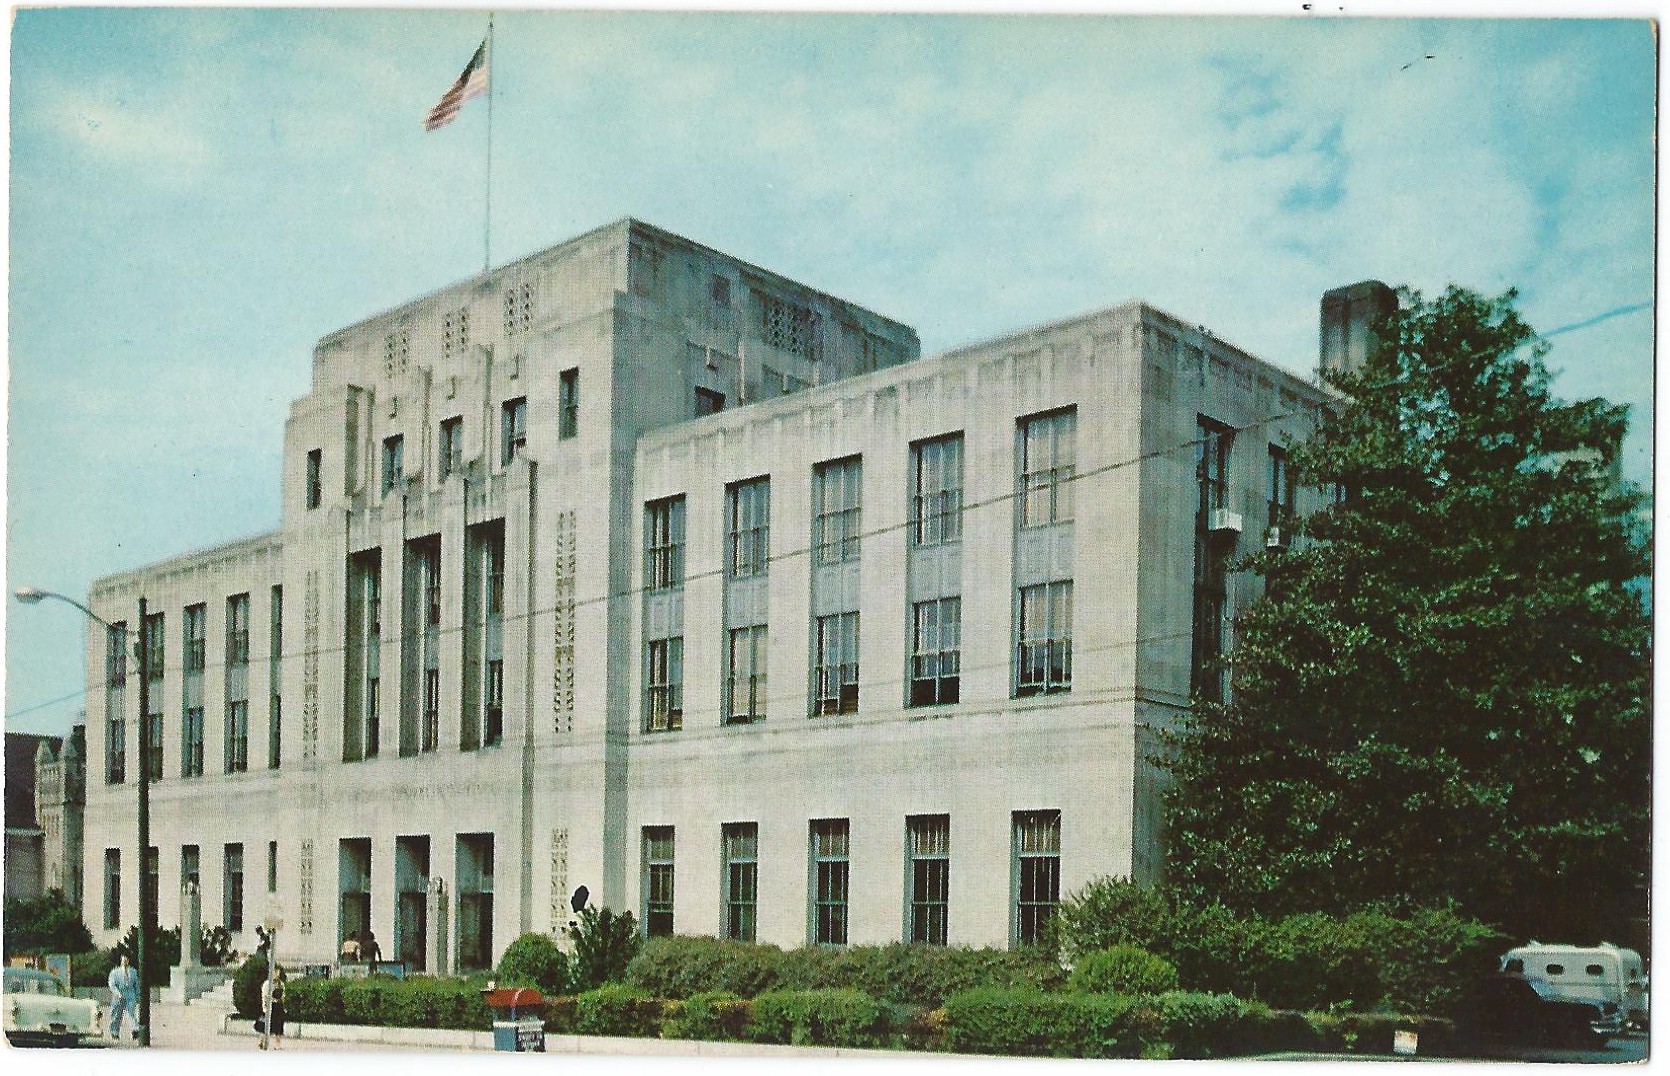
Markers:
<point>929,874</point>
<point>494,703</point>
<point>745,680</point>
<point>1047,467</point>
<point>829,881</point>
<point>431,708</point>
<point>237,736</point>
<point>1037,872</point>
<point>664,544</point>
<point>513,429</point>
<point>748,527</point>
<point>664,689</point>
<point>835,674</point>
<point>115,703</point>
<point>936,496</point>
<point>568,399</point>
<point>1281,488</point>
<point>314,492</point>
<point>237,629</point>
<point>275,679</point>
<point>112,888</point>
<point>236,733</point>
<point>432,584</point>
<point>394,462</point>
<point>1045,659</point>
<point>658,881</point>
<point>451,448</point>
<point>233,888</point>
<point>195,646</point>
<point>936,651</point>
<point>837,511</point>
<point>155,647</point>
<point>1212,444</point>
<point>742,878</point>
<point>272,866</point>
<point>190,866</point>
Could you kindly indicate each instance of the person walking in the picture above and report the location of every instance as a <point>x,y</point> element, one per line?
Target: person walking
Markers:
<point>272,1003</point>
<point>124,995</point>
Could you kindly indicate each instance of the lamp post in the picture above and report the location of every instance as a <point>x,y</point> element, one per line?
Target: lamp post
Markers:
<point>34,596</point>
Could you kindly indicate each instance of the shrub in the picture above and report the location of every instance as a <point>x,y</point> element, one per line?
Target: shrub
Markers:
<point>45,924</point>
<point>534,960</point>
<point>561,1015</point>
<point>714,1015</point>
<point>925,1029</point>
<point>1123,969</point>
<point>420,1001</point>
<point>1035,1024</point>
<point>162,952</point>
<point>618,1010</point>
<point>92,968</point>
<point>916,975</point>
<point>1200,1025</point>
<point>604,944</point>
<point>820,1018</point>
<point>246,986</point>
<point>214,946</point>
<point>679,967</point>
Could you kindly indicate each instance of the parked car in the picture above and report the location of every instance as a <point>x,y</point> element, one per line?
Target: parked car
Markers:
<point>39,1010</point>
<point>1517,1009</point>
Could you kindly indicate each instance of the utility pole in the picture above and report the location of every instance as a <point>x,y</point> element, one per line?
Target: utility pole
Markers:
<point>146,913</point>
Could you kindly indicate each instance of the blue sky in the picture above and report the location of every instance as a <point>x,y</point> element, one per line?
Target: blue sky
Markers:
<point>197,196</point>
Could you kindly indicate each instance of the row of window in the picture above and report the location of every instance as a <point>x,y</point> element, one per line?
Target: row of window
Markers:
<point>1042,658</point>
<point>232,881</point>
<point>1035,878</point>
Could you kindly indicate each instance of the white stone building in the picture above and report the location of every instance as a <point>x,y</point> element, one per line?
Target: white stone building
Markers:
<point>634,566</point>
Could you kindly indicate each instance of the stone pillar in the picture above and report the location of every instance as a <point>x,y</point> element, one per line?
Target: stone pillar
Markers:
<point>435,909</point>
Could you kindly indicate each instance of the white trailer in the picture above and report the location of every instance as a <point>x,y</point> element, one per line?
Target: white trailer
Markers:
<point>1602,972</point>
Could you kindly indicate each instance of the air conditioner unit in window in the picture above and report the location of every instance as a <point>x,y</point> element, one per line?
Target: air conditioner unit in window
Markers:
<point>1222,520</point>
<point>1275,538</point>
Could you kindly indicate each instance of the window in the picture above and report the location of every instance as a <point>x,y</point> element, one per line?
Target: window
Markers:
<point>237,736</point>
<point>1212,466</point>
<point>237,630</point>
<point>272,866</point>
<point>837,510</point>
<point>936,651</point>
<point>452,447</point>
<point>394,462</point>
<point>112,888</point>
<point>936,499</point>
<point>115,749</point>
<point>745,675</point>
<point>196,643</point>
<point>432,584</point>
<point>191,748</point>
<point>513,429</point>
<point>115,702</point>
<point>1046,638</point>
<point>790,327</point>
<point>742,875</point>
<point>233,889</point>
<point>275,655</point>
<point>835,674</point>
<point>720,291</point>
<point>1037,867</point>
<point>397,348</point>
<point>709,402</point>
<point>664,690</point>
<point>431,708</point>
<point>116,654</point>
<point>568,398</point>
<point>1281,488</point>
<point>658,881</point>
<point>189,866</point>
<point>1047,469</point>
<point>748,527</point>
<point>664,544</point>
<point>929,877</point>
<point>494,731</point>
<point>154,645</point>
<point>829,881</point>
<point>455,333</point>
<point>518,309</point>
<point>315,492</point>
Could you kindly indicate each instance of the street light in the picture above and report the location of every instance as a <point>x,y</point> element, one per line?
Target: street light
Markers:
<point>147,913</point>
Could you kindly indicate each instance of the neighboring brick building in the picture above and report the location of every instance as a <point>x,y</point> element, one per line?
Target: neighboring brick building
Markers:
<point>635,566</point>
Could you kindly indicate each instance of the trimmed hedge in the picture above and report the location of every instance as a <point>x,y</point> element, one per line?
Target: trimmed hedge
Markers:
<point>1124,969</point>
<point>619,1010</point>
<point>1030,1023</point>
<point>821,1018</point>
<point>898,974</point>
<point>420,1001</point>
<point>715,1015</point>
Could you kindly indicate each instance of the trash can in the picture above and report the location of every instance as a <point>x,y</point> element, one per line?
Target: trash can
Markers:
<point>518,1019</point>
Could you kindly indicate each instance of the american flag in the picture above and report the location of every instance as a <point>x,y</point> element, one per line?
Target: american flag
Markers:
<point>472,83</point>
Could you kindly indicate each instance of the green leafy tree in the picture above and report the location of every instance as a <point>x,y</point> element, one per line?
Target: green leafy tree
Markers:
<point>1444,693</point>
<point>534,960</point>
<point>604,943</point>
<point>47,924</point>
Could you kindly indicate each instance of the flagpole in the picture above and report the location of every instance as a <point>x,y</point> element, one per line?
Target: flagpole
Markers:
<point>487,220</point>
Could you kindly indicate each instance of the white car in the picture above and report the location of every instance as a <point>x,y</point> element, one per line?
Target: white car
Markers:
<point>39,1011</point>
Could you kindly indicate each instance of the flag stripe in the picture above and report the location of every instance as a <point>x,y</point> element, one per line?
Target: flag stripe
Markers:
<point>471,83</point>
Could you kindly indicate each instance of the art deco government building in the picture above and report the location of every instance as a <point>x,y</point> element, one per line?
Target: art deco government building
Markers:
<point>634,566</point>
